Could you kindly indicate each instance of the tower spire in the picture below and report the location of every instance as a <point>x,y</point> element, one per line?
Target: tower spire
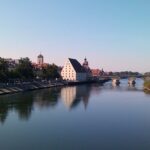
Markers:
<point>85,63</point>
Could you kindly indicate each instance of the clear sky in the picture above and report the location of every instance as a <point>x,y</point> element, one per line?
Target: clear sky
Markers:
<point>112,34</point>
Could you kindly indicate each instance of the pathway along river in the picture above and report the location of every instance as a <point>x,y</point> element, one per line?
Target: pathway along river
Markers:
<point>85,117</point>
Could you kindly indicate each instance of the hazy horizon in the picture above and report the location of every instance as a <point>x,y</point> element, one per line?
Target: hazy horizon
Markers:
<point>112,34</point>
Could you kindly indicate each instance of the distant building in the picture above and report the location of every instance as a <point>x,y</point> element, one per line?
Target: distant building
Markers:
<point>86,64</point>
<point>87,68</point>
<point>40,59</point>
<point>73,71</point>
<point>40,62</point>
<point>97,72</point>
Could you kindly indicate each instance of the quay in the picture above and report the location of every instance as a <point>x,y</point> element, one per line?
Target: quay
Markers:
<point>30,86</point>
<point>26,86</point>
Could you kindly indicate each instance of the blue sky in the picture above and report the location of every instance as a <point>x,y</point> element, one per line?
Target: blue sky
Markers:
<point>112,34</point>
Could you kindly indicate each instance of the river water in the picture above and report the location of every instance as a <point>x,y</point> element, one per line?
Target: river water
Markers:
<point>85,117</point>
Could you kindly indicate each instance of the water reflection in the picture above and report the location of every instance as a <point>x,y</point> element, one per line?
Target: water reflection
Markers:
<point>117,118</point>
<point>20,104</point>
<point>23,103</point>
<point>73,95</point>
<point>47,98</point>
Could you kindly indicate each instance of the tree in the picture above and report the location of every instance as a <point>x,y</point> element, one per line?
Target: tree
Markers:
<point>24,69</point>
<point>3,70</point>
<point>14,74</point>
<point>49,72</point>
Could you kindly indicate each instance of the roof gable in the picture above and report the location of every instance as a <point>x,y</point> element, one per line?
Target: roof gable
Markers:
<point>77,66</point>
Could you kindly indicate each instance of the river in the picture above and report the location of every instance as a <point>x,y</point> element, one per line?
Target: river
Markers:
<point>85,117</point>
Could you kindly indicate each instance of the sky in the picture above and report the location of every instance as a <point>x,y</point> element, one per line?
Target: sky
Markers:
<point>111,34</point>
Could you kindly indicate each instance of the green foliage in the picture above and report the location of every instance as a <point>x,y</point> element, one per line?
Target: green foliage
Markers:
<point>24,69</point>
<point>3,70</point>
<point>50,72</point>
<point>147,84</point>
<point>14,74</point>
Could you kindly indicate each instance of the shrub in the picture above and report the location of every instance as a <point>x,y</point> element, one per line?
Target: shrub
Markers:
<point>147,84</point>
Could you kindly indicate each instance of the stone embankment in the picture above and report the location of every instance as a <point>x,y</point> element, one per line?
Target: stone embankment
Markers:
<point>29,86</point>
<point>10,89</point>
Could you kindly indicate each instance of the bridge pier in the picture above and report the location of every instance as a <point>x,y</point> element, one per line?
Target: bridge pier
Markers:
<point>131,81</point>
<point>115,81</point>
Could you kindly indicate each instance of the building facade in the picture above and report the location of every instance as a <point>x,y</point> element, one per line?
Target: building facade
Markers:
<point>73,71</point>
<point>97,72</point>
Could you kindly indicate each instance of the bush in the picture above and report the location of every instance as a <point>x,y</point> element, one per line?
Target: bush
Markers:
<point>147,84</point>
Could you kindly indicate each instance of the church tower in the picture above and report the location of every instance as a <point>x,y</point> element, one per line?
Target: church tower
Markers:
<point>40,59</point>
<point>85,64</point>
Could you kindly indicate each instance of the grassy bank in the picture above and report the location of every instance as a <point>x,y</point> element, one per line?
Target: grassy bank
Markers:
<point>147,85</point>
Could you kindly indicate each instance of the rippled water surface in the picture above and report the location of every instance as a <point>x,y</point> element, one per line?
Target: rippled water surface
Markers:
<point>85,117</point>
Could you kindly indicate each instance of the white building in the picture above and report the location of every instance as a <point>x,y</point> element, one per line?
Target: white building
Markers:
<point>73,71</point>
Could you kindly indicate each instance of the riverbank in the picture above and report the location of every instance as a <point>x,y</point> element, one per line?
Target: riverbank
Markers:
<point>27,87</point>
<point>147,86</point>
<point>147,90</point>
<point>30,86</point>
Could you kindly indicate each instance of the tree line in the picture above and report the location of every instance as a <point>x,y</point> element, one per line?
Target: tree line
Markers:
<point>24,70</point>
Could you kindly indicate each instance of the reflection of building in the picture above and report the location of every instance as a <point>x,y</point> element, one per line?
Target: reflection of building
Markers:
<point>68,94</point>
<point>73,71</point>
<point>73,95</point>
